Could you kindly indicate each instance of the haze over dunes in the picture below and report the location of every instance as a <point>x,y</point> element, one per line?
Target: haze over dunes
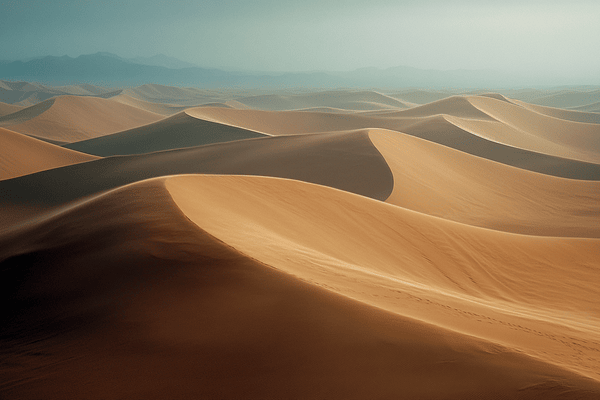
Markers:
<point>167,242</point>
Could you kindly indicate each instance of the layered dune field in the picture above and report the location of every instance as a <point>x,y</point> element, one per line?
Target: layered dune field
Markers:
<point>160,242</point>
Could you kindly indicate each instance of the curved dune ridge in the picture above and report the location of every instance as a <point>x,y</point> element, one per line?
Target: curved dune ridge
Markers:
<point>567,98</point>
<point>175,95</point>
<point>594,107</point>
<point>474,136</point>
<point>489,118</point>
<point>441,181</point>
<point>6,109</point>
<point>23,155</point>
<point>178,131</point>
<point>138,308</point>
<point>343,160</point>
<point>157,108</point>
<point>72,118</point>
<point>342,99</point>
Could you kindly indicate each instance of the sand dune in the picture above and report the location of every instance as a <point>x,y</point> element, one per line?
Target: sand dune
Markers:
<point>163,309</point>
<point>420,96</point>
<point>71,118</point>
<point>567,98</point>
<point>473,136</point>
<point>350,248</point>
<point>343,160</point>
<point>175,95</point>
<point>594,107</point>
<point>458,106</point>
<point>22,155</point>
<point>536,132</point>
<point>495,120</point>
<point>560,113</point>
<point>26,94</point>
<point>6,109</point>
<point>157,108</point>
<point>348,100</point>
<point>443,182</point>
<point>178,131</point>
<point>497,286</point>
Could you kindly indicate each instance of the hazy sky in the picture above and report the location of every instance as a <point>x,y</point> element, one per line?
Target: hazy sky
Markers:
<point>298,35</point>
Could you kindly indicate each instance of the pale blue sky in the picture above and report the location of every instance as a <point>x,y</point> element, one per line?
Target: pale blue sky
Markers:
<point>552,37</point>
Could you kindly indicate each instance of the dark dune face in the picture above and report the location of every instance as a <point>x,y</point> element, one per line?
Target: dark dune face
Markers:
<point>175,132</point>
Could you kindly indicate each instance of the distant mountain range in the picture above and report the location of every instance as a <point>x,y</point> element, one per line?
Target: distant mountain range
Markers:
<point>111,70</point>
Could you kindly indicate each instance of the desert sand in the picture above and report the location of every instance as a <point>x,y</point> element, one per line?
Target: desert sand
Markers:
<point>192,243</point>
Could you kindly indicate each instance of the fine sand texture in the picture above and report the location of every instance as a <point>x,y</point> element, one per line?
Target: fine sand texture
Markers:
<point>162,242</point>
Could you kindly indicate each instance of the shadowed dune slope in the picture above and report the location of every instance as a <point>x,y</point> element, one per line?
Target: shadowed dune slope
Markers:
<point>22,155</point>
<point>442,129</point>
<point>6,109</point>
<point>159,308</point>
<point>72,118</point>
<point>343,160</point>
<point>348,100</point>
<point>178,131</point>
<point>378,253</point>
<point>441,181</point>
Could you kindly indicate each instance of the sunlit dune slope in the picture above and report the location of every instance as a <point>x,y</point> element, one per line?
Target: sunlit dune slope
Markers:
<point>533,294</point>
<point>71,118</point>
<point>473,136</point>
<point>451,184</point>
<point>348,100</point>
<point>22,155</point>
<point>344,160</point>
<point>178,131</point>
<point>141,301</point>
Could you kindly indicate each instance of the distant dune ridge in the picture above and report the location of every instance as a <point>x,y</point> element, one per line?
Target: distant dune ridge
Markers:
<point>72,118</point>
<point>340,244</point>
